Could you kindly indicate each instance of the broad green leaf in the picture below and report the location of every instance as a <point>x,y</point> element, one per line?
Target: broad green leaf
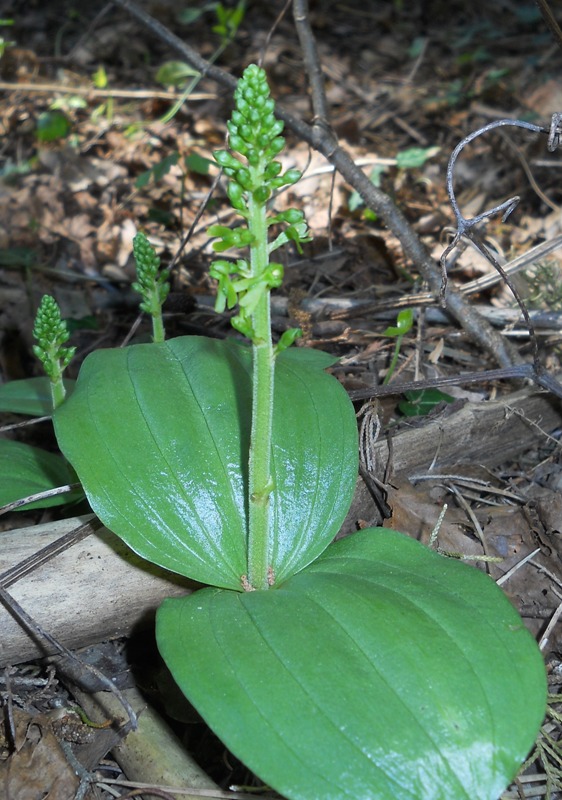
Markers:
<point>383,671</point>
<point>27,470</point>
<point>30,396</point>
<point>159,436</point>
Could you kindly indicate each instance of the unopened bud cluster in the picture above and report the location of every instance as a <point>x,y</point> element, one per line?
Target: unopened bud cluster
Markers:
<point>51,332</point>
<point>254,174</point>
<point>153,287</point>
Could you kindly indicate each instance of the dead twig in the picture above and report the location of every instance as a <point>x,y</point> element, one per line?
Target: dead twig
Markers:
<point>550,20</point>
<point>43,636</point>
<point>467,228</point>
<point>96,94</point>
<point>48,552</point>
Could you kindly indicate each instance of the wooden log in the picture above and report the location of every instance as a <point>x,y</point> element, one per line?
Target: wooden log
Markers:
<point>489,433</point>
<point>98,589</point>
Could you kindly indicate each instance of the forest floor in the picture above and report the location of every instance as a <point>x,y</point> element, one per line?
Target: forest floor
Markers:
<point>90,154</point>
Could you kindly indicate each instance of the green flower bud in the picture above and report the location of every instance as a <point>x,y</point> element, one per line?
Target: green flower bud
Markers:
<point>236,196</point>
<point>287,339</point>
<point>275,147</point>
<point>292,216</point>
<point>243,324</point>
<point>274,275</point>
<point>272,169</point>
<point>51,333</point>
<point>225,159</point>
<point>244,178</point>
<point>289,177</point>
<point>246,133</point>
<point>261,194</point>
<point>238,144</point>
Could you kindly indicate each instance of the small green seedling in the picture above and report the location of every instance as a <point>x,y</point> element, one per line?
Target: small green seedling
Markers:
<point>420,402</point>
<point>228,22</point>
<point>5,43</point>
<point>372,667</point>
<point>100,81</point>
<point>404,323</point>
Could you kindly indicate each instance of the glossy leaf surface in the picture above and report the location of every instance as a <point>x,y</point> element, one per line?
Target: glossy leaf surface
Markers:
<point>159,436</point>
<point>27,470</point>
<point>382,671</point>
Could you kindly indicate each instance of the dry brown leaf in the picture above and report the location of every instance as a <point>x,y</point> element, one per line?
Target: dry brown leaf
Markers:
<point>37,769</point>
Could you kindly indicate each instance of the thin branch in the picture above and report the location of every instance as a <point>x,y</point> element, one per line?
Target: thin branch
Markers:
<point>272,30</point>
<point>326,143</point>
<point>311,63</point>
<point>39,634</point>
<point>50,551</point>
<point>550,20</point>
<point>467,226</point>
<point>95,94</point>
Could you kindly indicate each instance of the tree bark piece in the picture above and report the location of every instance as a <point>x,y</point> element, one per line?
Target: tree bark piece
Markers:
<point>488,433</point>
<point>98,589</point>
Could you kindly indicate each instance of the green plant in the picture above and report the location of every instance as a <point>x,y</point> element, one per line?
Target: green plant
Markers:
<point>174,72</point>
<point>545,286</point>
<point>100,81</point>
<point>51,334</point>
<point>52,125</point>
<point>404,322</point>
<point>151,284</point>
<point>372,667</point>
<point>25,470</point>
<point>5,43</point>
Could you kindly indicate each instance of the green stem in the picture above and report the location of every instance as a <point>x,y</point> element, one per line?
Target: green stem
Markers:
<point>158,333</point>
<point>259,474</point>
<point>394,361</point>
<point>58,391</point>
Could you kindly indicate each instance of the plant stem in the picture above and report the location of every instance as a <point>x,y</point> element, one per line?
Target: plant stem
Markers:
<point>394,361</point>
<point>259,473</point>
<point>58,391</point>
<point>158,333</point>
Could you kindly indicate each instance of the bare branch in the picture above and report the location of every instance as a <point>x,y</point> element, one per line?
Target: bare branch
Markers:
<point>312,63</point>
